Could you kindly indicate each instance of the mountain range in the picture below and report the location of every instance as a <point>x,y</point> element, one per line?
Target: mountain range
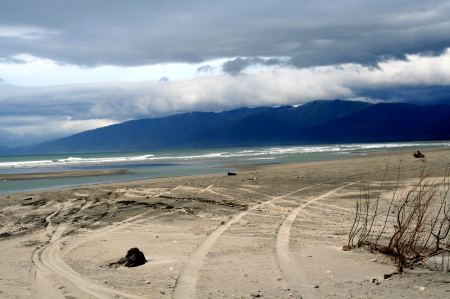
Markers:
<point>334,121</point>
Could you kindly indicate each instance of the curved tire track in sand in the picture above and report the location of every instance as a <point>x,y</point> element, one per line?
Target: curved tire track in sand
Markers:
<point>284,234</point>
<point>187,280</point>
<point>48,260</point>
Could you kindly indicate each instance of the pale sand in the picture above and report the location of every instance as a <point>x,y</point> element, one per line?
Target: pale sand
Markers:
<point>275,231</point>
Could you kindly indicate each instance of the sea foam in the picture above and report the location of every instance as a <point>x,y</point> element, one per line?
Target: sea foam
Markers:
<point>266,153</point>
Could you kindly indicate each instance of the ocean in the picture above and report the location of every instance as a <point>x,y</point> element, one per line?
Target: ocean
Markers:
<point>144,165</point>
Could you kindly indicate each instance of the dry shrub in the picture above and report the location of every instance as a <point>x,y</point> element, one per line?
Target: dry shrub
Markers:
<point>414,226</point>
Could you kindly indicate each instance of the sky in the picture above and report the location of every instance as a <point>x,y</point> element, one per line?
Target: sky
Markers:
<point>70,66</point>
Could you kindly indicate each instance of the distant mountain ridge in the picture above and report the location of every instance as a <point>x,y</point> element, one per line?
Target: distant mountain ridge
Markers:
<point>4,150</point>
<point>315,122</point>
<point>387,122</point>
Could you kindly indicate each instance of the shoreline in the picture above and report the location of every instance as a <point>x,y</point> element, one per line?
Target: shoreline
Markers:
<point>239,167</point>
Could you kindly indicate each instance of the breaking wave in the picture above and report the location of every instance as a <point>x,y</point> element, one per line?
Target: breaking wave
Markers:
<point>266,153</point>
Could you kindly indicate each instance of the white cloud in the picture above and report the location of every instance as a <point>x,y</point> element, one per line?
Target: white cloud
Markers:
<point>24,32</point>
<point>72,108</point>
<point>24,130</point>
<point>28,70</point>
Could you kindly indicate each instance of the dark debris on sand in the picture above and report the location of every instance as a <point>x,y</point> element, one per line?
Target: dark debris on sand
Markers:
<point>133,258</point>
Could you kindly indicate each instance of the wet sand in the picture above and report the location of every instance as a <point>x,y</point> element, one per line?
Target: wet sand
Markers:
<point>273,231</point>
<point>60,174</point>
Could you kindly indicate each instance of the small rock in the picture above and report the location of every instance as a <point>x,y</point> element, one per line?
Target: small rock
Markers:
<point>256,294</point>
<point>315,286</point>
<point>422,288</point>
<point>374,260</point>
<point>147,281</point>
<point>231,173</point>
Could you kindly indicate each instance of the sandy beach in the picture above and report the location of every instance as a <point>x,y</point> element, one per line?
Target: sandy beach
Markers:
<point>271,231</point>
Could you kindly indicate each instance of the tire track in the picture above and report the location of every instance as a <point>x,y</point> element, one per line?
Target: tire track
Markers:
<point>335,207</point>
<point>186,284</point>
<point>48,261</point>
<point>284,233</point>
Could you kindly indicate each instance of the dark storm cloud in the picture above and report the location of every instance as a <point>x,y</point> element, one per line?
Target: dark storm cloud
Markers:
<point>144,32</point>
<point>235,66</point>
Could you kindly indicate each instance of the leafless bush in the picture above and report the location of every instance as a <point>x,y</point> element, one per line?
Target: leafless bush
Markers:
<point>414,226</point>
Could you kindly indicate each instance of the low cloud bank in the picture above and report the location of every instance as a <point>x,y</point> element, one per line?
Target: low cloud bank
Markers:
<point>62,110</point>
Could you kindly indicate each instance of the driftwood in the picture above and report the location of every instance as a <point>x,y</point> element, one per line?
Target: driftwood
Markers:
<point>133,258</point>
<point>418,155</point>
